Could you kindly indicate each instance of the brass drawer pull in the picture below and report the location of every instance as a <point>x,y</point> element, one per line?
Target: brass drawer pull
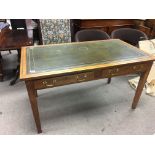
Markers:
<point>117,70</point>
<point>112,72</point>
<point>82,79</point>
<point>49,85</point>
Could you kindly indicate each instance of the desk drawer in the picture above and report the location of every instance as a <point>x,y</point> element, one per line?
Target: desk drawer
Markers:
<point>59,81</point>
<point>85,76</point>
<point>116,71</point>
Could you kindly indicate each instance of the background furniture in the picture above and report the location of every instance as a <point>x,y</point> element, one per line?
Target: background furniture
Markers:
<point>108,25</point>
<point>3,20</point>
<point>129,35</point>
<point>90,35</point>
<point>14,40</point>
<point>65,29</point>
<point>150,23</point>
<point>3,26</point>
<point>55,31</point>
<point>18,24</point>
<point>28,24</point>
<point>1,70</point>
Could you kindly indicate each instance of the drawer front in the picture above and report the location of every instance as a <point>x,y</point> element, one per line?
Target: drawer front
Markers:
<point>116,71</point>
<point>85,77</point>
<point>52,82</point>
<point>88,76</point>
<point>59,81</point>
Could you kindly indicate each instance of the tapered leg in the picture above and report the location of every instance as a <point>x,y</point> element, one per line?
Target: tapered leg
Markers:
<point>36,94</point>
<point>109,80</point>
<point>16,76</point>
<point>17,69</point>
<point>140,87</point>
<point>32,97</point>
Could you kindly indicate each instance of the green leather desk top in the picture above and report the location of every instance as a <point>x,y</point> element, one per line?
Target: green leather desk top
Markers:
<point>64,56</point>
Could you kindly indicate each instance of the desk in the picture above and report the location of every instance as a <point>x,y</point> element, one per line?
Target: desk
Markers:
<point>14,40</point>
<point>50,66</point>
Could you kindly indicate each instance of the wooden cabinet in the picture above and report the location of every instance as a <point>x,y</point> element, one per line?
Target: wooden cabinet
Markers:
<point>108,25</point>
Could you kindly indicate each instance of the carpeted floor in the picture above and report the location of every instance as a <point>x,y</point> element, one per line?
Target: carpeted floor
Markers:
<point>85,108</point>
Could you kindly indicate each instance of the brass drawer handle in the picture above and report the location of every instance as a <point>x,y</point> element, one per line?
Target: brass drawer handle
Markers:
<point>112,72</point>
<point>117,70</point>
<point>82,79</point>
<point>49,85</point>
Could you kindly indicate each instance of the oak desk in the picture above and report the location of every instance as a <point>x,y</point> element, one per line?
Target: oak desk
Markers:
<point>62,64</point>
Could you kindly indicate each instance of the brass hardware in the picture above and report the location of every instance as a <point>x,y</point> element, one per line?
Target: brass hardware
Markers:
<point>112,72</point>
<point>48,85</point>
<point>85,75</point>
<point>44,82</point>
<point>117,70</point>
<point>82,79</point>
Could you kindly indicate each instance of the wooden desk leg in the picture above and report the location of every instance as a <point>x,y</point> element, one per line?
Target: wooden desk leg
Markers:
<point>36,94</point>
<point>32,97</point>
<point>140,86</point>
<point>109,80</point>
